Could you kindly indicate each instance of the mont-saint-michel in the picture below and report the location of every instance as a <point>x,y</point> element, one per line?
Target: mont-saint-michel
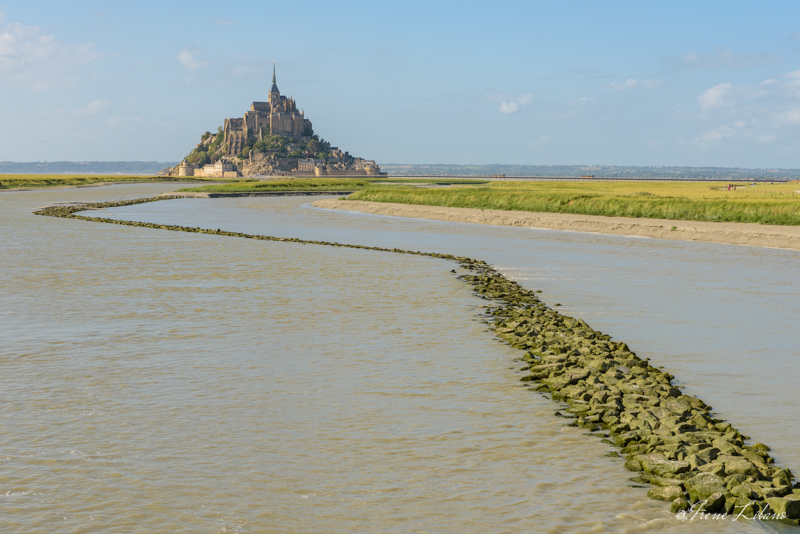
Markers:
<point>273,138</point>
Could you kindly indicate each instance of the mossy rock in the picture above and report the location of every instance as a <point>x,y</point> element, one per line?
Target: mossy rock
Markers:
<point>741,466</point>
<point>701,487</point>
<point>664,481</point>
<point>660,465</point>
<point>789,505</point>
<point>756,446</point>
<point>716,468</point>
<point>665,493</point>
<point>714,503</point>
<point>678,505</point>
<point>632,464</point>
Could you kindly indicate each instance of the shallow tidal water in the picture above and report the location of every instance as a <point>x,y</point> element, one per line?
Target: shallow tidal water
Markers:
<point>158,381</point>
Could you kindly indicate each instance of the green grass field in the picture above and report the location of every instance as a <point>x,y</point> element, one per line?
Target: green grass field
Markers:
<point>308,184</point>
<point>322,184</point>
<point>762,203</point>
<point>35,181</point>
<point>429,181</point>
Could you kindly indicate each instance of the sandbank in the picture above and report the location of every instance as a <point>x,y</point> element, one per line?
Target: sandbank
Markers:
<point>759,235</point>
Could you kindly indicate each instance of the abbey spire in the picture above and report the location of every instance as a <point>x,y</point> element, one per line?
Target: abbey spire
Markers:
<point>274,88</point>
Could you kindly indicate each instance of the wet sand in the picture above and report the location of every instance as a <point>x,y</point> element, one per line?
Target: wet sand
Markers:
<point>759,235</point>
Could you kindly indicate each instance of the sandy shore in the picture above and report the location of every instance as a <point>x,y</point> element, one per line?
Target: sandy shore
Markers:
<point>759,235</point>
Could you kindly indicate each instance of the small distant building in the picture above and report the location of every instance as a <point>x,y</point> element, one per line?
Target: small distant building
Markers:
<point>219,169</point>
<point>308,165</point>
<point>185,169</point>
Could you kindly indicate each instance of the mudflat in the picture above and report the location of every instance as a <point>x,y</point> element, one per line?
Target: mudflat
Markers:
<point>759,235</point>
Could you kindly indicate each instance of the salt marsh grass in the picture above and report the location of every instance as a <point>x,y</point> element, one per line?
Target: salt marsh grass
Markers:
<point>250,186</point>
<point>37,181</point>
<point>760,203</point>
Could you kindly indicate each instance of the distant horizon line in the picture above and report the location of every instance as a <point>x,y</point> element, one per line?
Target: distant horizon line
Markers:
<point>589,166</point>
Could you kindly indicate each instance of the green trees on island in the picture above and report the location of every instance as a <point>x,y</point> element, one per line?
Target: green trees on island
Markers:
<point>211,147</point>
<point>208,150</point>
<point>314,146</point>
<point>199,156</point>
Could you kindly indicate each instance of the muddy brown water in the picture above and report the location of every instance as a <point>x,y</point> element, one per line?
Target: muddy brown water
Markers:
<point>157,381</point>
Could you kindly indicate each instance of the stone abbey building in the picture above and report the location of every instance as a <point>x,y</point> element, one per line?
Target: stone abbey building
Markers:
<point>278,116</point>
<point>272,139</point>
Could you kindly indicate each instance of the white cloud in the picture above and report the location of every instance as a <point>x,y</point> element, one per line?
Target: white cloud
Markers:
<point>717,134</point>
<point>714,97</point>
<point>739,130</point>
<point>765,112</point>
<point>724,132</point>
<point>632,83</point>
<point>192,60</point>
<point>97,106</point>
<point>512,105</point>
<point>508,107</point>
<point>789,116</point>
<point>29,56</point>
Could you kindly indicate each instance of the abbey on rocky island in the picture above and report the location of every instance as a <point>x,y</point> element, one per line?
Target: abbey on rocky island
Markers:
<point>277,116</point>
<point>272,139</point>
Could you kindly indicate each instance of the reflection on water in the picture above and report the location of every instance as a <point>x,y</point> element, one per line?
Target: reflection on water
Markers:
<point>159,381</point>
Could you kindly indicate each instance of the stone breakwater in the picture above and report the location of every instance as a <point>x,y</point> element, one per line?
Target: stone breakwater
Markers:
<point>671,440</point>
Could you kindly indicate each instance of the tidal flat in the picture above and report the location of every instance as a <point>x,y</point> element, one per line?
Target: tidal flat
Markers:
<point>736,233</point>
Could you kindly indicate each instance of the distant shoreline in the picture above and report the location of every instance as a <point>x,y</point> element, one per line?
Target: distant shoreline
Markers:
<point>759,235</point>
<point>97,184</point>
<point>588,179</point>
<point>32,183</point>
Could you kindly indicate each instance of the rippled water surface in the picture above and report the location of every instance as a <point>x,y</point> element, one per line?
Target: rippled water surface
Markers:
<point>158,381</point>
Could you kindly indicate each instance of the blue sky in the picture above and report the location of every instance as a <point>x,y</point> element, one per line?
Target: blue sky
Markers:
<point>611,83</point>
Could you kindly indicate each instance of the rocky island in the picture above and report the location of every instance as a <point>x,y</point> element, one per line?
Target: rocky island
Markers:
<point>273,138</point>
